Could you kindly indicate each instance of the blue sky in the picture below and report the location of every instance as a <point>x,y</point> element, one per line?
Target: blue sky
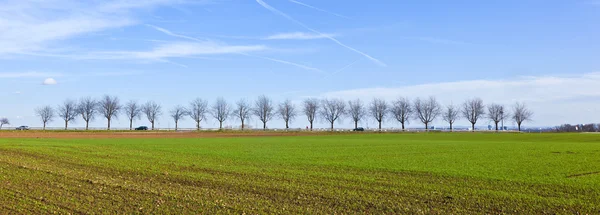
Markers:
<point>541,52</point>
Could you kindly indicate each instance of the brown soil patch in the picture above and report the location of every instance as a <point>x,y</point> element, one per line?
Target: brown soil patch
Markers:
<point>149,134</point>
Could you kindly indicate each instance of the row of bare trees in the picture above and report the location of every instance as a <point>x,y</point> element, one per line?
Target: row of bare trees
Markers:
<point>264,109</point>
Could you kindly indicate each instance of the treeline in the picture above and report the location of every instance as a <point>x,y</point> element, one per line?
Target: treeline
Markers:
<point>578,128</point>
<point>264,109</point>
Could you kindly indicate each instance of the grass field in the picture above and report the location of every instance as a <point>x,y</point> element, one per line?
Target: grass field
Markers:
<point>437,173</point>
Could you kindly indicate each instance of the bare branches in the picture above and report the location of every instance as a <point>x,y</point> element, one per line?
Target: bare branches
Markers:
<point>220,111</point>
<point>472,110</point>
<point>46,114</point>
<point>496,113</point>
<point>67,112</point>
<point>177,113</point>
<point>310,107</point>
<point>242,111</point>
<point>133,110</point>
<point>332,109</point>
<point>109,107</point>
<point>450,115</point>
<point>197,111</point>
<point>152,110</point>
<point>4,121</point>
<point>427,110</point>
<point>378,109</point>
<point>87,108</point>
<point>521,114</point>
<point>287,111</point>
<point>264,110</point>
<point>402,110</point>
<point>356,111</point>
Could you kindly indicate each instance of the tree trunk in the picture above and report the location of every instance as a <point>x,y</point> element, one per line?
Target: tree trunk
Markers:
<point>496,126</point>
<point>473,127</point>
<point>87,123</point>
<point>108,127</point>
<point>519,125</point>
<point>198,126</point>
<point>220,125</point>
<point>66,124</point>
<point>426,127</point>
<point>451,127</point>
<point>44,126</point>
<point>311,123</point>
<point>332,126</point>
<point>152,125</point>
<point>356,124</point>
<point>265,125</point>
<point>286,125</point>
<point>176,125</point>
<point>131,124</point>
<point>379,125</point>
<point>402,126</point>
<point>242,124</point>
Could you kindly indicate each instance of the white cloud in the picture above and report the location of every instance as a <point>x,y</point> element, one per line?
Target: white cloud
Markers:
<point>30,26</point>
<point>26,74</point>
<point>177,49</point>
<point>298,36</point>
<point>554,99</point>
<point>49,81</point>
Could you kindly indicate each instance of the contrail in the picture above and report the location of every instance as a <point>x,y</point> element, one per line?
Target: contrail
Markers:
<point>268,7</point>
<point>256,56</point>
<point>319,9</point>
<point>340,70</point>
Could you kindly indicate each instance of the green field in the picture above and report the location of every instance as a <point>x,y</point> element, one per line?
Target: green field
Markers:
<point>371,173</point>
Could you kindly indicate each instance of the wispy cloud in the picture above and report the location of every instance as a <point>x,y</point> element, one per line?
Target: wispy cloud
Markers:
<point>27,74</point>
<point>174,34</point>
<point>319,9</point>
<point>341,70</point>
<point>298,36</point>
<point>179,49</point>
<point>274,10</point>
<point>438,40</point>
<point>49,81</point>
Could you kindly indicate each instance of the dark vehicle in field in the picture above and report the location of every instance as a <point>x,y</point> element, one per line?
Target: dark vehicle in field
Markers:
<point>22,127</point>
<point>358,129</point>
<point>141,128</point>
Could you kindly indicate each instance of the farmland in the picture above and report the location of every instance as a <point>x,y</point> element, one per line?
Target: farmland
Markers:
<point>428,173</point>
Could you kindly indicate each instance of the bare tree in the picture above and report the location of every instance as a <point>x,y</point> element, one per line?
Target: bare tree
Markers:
<point>177,114</point>
<point>450,115</point>
<point>356,111</point>
<point>472,110</point>
<point>87,108</point>
<point>4,121</point>
<point>152,110</point>
<point>496,113</point>
<point>378,109</point>
<point>109,107</point>
<point>67,112</point>
<point>264,110</point>
<point>402,110</point>
<point>287,111</point>
<point>332,110</point>
<point>46,114</point>
<point>310,108</point>
<point>242,111</point>
<point>133,110</point>
<point>521,114</point>
<point>427,110</point>
<point>220,111</point>
<point>197,111</point>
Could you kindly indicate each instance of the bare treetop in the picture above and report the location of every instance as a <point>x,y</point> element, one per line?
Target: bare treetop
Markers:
<point>242,111</point>
<point>472,110</point>
<point>378,109</point>
<point>152,110</point>
<point>177,113</point>
<point>521,114</point>
<point>264,110</point>
<point>287,111</point>
<point>402,110</point>
<point>68,111</point>
<point>109,107</point>
<point>220,111</point>
<point>310,107</point>
<point>4,121</point>
<point>46,114</point>
<point>197,111</point>
<point>496,113</point>
<point>332,109</point>
<point>356,111</point>
<point>427,110</point>
<point>87,108</point>
<point>133,110</point>
<point>450,115</point>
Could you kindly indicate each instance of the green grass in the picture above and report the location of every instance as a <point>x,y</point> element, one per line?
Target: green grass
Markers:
<point>372,173</point>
